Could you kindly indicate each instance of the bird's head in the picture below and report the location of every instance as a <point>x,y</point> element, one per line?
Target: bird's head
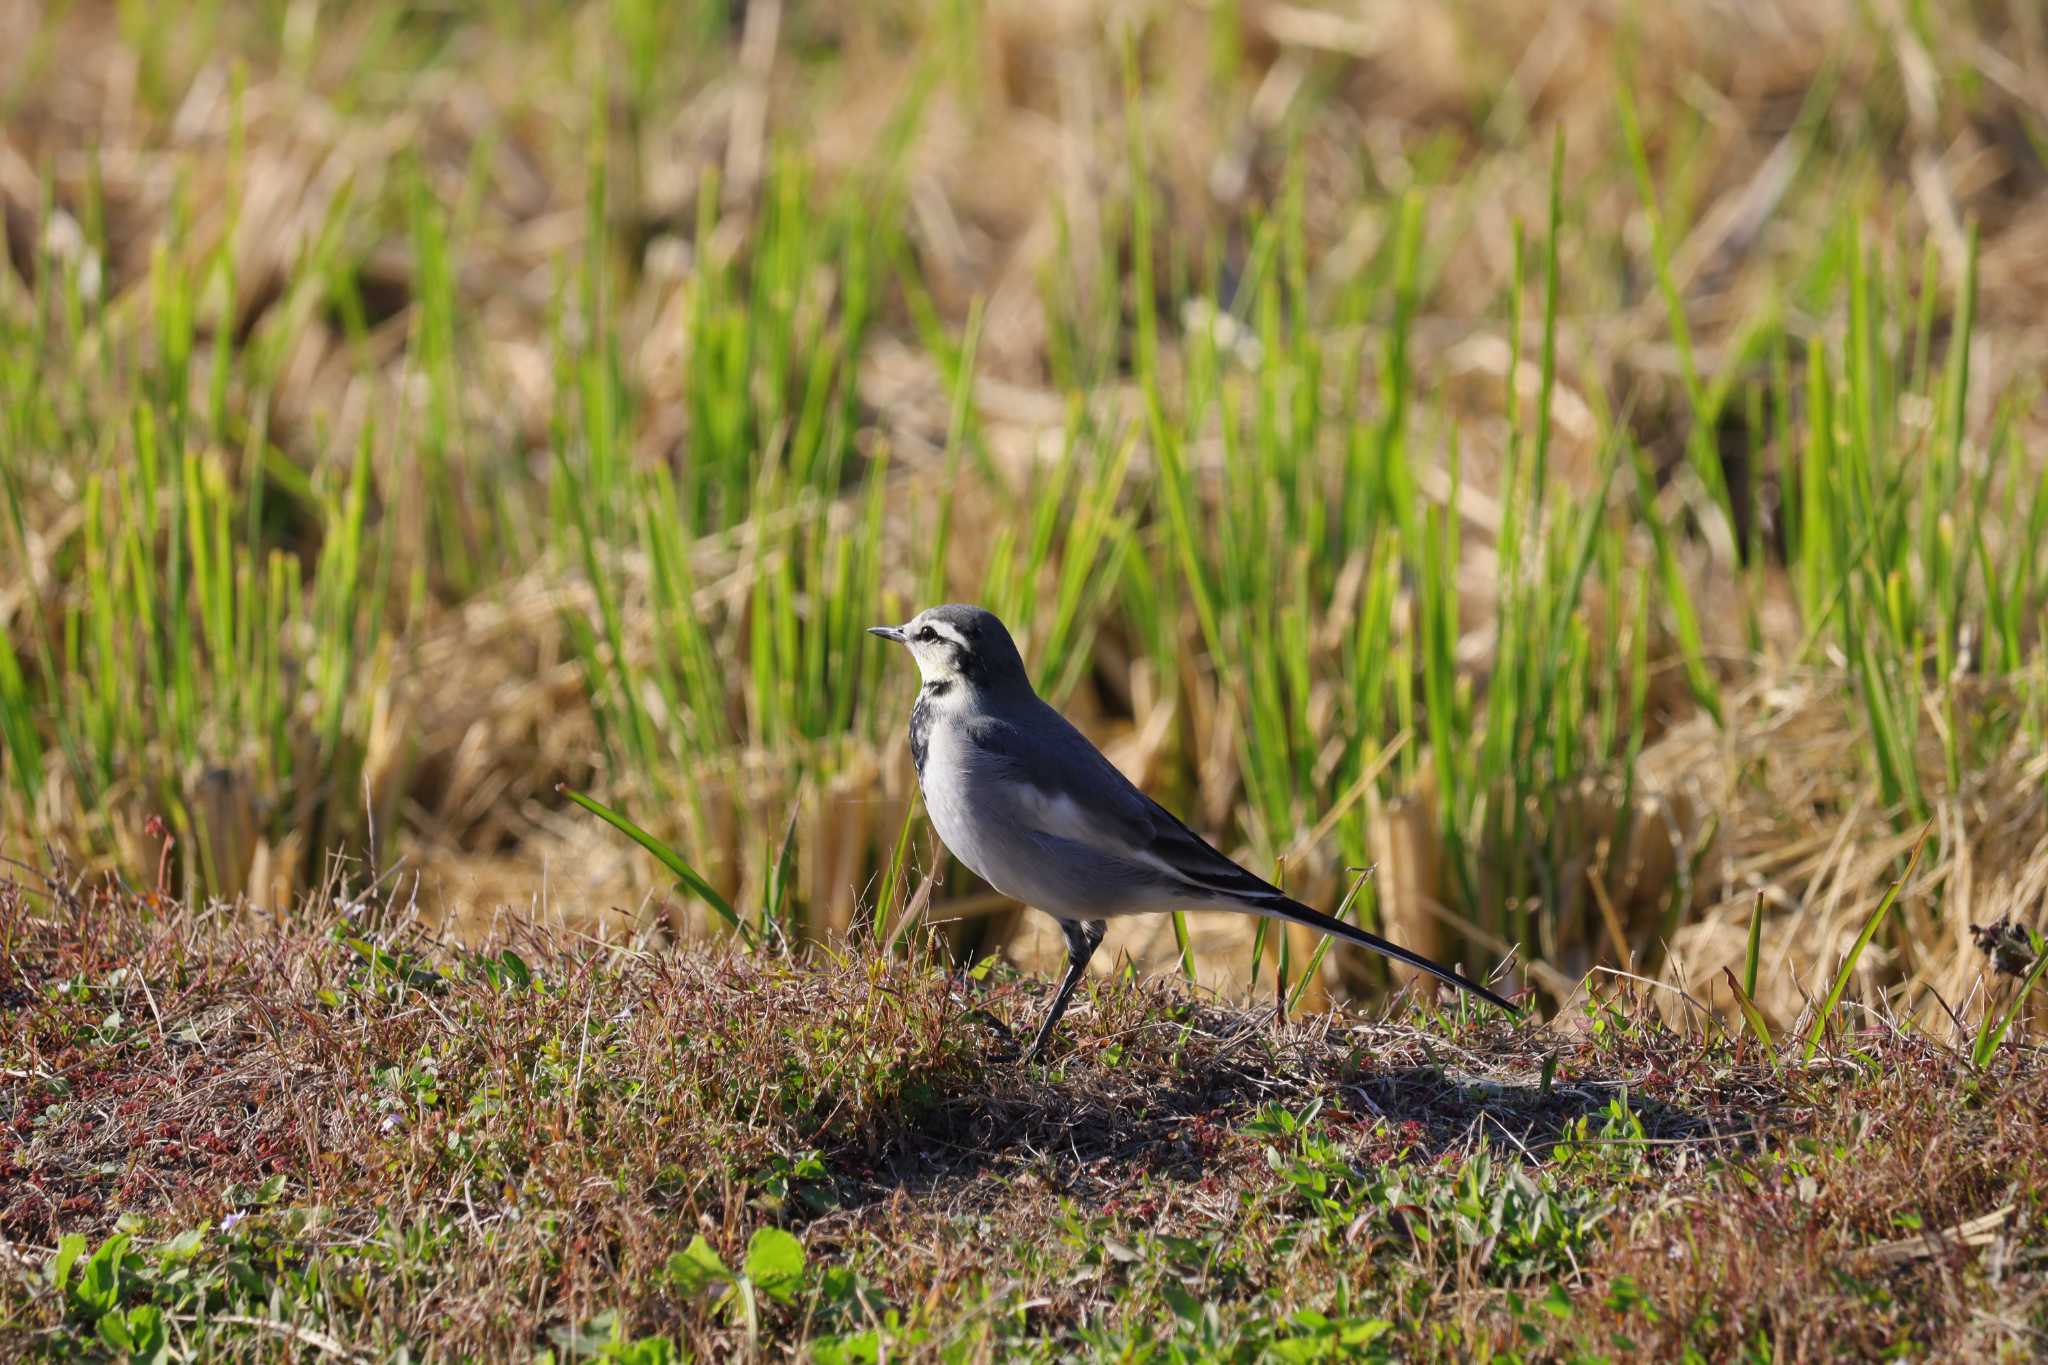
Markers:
<point>960,644</point>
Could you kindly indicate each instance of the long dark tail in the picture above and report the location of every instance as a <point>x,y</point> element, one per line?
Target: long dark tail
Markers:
<point>1286,908</point>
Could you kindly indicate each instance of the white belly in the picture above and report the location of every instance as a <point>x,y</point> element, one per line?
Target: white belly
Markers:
<point>947,800</point>
<point>1005,838</point>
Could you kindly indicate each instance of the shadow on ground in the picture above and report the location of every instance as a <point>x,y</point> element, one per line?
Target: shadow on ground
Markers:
<point>1103,1111</point>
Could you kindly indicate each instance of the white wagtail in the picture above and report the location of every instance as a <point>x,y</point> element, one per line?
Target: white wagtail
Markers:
<point>1036,811</point>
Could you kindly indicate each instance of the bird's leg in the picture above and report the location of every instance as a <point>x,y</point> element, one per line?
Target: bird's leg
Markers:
<point>1083,937</point>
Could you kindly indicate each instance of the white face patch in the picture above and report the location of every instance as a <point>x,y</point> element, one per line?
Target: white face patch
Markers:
<point>935,658</point>
<point>933,664</point>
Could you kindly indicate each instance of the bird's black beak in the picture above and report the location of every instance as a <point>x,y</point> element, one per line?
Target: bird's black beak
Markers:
<point>889,633</point>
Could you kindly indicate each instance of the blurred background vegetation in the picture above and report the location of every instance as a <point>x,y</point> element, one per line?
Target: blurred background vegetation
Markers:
<point>1584,459</point>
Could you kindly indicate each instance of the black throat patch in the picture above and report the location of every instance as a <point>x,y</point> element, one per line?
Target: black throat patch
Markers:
<point>921,717</point>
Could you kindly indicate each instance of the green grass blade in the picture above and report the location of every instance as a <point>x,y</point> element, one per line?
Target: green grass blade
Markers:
<point>1187,949</point>
<point>668,858</point>
<point>1685,619</point>
<point>1989,1036</point>
<point>1754,951</point>
<point>1315,959</point>
<point>1869,931</point>
<point>885,902</point>
<point>1754,1017</point>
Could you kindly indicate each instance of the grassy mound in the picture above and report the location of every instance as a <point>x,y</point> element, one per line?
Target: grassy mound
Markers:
<point>337,1137</point>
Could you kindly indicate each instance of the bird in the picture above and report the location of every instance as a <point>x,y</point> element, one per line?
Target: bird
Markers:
<point>1035,810</point>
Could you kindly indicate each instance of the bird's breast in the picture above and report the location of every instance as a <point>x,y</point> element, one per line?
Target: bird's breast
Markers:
<point>949,782</point>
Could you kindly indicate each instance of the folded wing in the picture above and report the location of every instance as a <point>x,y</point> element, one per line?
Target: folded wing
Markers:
<point>1063,787</point>
<point>1069,790</point>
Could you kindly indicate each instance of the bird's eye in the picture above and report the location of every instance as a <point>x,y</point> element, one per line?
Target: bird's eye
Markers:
<point>927,634</point>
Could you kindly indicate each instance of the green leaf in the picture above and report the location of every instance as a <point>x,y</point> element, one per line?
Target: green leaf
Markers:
<point>113,1330</point>
<point>1184,1304</point>
<point>857,1348</point>
<point>775,1263</point>
<point>99,1284</point>
<point>69,1248</point>
<point>183,1247</point>
<point>140,1332</point>
<point>1364,1331</point>
<point>516,970</point>
<point>696,1267</point>
<point>257,1196</point>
